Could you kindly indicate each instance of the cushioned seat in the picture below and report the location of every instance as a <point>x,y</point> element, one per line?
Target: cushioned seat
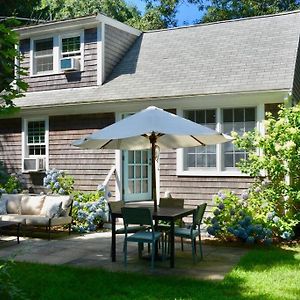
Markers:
<point>13,218</point>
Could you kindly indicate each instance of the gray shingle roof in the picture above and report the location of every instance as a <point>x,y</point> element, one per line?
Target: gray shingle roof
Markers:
<point>254,54</point>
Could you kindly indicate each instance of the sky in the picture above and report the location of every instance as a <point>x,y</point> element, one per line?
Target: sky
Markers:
<point>187,13</point>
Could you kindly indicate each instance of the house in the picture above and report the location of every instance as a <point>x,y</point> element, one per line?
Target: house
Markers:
<point>88,72</point>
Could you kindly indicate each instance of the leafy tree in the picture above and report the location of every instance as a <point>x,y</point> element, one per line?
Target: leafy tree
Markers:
<point>18,8</point>
<point>218,10</point>
<point>11,86</point>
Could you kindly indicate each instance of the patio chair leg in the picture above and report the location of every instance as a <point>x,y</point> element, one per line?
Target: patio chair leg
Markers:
<point>140,247</point>
<point>152,255</point>
<point>200,247</point>
<point>70,229</point>
<point>125,254</point>
<point>181,244</point>
<point>194,249</point>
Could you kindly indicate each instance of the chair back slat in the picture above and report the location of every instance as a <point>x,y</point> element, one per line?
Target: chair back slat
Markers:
<point>134,215</point>
<point>115,206</point>
<point>198,216</point>
<point>171,202</point>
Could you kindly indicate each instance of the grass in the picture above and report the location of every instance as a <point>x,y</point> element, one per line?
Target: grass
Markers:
<point>262,274</point>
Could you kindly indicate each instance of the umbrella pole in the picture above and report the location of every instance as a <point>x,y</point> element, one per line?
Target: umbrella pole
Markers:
<point>152,139</point>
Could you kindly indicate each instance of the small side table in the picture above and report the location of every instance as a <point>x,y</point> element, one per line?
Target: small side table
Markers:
<point>4,224</point>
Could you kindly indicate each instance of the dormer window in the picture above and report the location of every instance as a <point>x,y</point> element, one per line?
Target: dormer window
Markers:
<point>70,46</point>
<point>43,55</point>
<point>46,53</point>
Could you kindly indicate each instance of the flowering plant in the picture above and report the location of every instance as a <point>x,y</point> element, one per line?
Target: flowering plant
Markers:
<point>58,182</point>
<point>250,217</point>
<point>89,211</point>
<point>274,160</point>
<point>10,184</point>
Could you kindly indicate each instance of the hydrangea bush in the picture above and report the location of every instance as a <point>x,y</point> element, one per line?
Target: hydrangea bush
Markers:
<point>89,211</point>
<point>271,206</point>
<point>58,182</point>
<point>10,183</point>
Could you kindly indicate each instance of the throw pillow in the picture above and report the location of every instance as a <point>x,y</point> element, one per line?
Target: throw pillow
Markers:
<point>3,207</point>
<point>52,207</point>
<point>13,203</point>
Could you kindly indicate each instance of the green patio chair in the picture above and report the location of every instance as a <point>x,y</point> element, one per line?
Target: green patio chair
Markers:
<point>140,216</point>
<point>115,206</point>
<point>165,227</point>
<point>194,231</point>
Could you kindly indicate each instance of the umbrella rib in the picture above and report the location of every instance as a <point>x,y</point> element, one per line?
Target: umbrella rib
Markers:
<point>102,147</point>
<point>202,144</point>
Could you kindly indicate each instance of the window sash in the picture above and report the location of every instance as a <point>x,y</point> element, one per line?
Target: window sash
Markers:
<point>43,55</point>
<point>36,138</point>
<point>223,152</point>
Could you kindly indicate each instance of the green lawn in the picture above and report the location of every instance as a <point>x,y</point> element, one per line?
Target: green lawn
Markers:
<point>272,273</point>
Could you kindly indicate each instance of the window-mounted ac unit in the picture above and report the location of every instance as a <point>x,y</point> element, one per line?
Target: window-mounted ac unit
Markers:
<point>69,64</point>
<point>34,164</point>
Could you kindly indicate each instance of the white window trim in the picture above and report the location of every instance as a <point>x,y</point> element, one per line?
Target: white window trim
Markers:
<point>24,141</point>
<point>68,35</point>
<point>218,171</point>
<point>57,42</point>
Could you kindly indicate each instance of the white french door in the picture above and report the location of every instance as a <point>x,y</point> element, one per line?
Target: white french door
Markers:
<point>137,175</point>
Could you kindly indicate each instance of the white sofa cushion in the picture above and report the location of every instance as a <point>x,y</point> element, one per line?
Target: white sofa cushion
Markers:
<point>3,210</point>
<point>13,203</point>
<point>13,218</point>
<point>52,207</point>
<point>32,205</point>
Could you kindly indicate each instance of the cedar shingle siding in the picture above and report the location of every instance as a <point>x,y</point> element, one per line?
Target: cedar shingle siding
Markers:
<point>88,77</point>
<point>89,167</point>
<point>117,42</point>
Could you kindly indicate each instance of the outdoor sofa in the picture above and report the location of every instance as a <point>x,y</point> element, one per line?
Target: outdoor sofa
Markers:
<point>37,210</point>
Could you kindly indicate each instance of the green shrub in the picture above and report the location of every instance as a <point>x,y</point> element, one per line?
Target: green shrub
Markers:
<point>89,211</point>
<point>10,184</point>
<point>58,182</point>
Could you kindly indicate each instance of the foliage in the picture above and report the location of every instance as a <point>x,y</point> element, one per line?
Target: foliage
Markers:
<point>218,10</point>
<point>249,218</point>
<point>274,161</point>
<point>89,211</point>
<point>8,288</point>
<point>58,182</point>
<point>10,184</point>
<point>11,86</point>
<point>157,14</point>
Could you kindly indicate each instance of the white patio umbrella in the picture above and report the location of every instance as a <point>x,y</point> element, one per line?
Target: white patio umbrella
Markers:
<point>148,129</point>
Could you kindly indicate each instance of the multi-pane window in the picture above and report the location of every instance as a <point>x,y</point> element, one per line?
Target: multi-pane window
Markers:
<point>43,55</point>
<point>70,46</point>
<point>201,157</point>
<point>218,157</point>
<point>36,141</point>
<point>239,120</point>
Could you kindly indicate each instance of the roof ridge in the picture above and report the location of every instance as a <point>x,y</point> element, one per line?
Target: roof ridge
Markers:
<point>224,21</point>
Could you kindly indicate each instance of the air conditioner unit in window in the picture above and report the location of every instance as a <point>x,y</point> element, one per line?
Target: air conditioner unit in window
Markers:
<point>34,164</point>
<point>69,64</point>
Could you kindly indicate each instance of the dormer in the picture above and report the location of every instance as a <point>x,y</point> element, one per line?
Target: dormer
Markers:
<point>73,53</point>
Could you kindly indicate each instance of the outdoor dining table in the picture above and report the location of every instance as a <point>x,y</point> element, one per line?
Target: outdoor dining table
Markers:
<point>164,214</point>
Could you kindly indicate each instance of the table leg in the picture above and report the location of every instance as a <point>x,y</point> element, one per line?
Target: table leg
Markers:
<point>18,232</point>
<point>172,242</point>
<point>113,238</point>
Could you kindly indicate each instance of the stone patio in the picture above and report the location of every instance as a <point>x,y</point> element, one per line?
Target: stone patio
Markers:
<point>93,250</point>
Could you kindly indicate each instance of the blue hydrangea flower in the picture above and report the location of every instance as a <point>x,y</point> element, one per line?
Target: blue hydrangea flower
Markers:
<point>245,195</point>
<point>221,206</point>
<point>211,230</point>
<point>270,215</point>
<point>276,219</point>
<point>216,212</point>
<point>286,235</point>
<point>75,204</point>
<point>48,186</point>
<point>56,185</point>
<point>257,190</point>
<point>61,191</point>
